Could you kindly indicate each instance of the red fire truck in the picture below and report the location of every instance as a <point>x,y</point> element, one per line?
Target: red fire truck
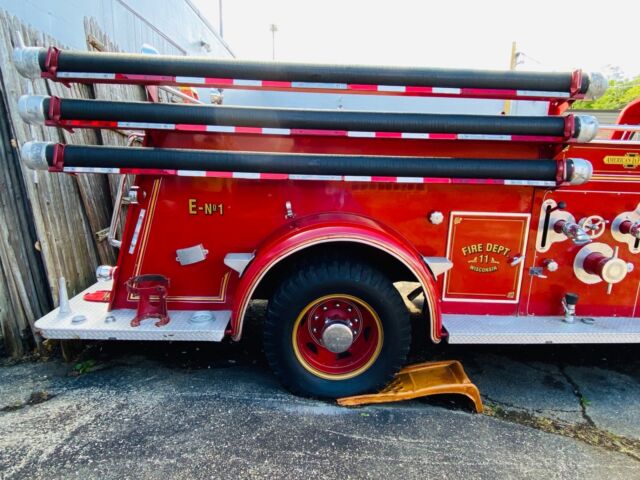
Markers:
<point>516,229</point>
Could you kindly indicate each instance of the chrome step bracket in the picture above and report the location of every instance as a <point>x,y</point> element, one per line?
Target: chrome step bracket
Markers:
<point>92,321</point>
<point>494,329</point>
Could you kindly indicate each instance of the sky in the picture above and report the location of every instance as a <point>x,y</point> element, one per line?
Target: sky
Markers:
<point>552,35</point>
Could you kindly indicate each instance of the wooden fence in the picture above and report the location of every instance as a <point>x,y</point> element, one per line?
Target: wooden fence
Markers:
<point>52,225</point>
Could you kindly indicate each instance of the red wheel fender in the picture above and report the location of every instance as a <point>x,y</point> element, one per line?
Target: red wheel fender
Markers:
<point>630,115</point>
<point>327,229</point>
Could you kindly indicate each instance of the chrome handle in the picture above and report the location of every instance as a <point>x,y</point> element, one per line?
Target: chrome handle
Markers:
<point>516,260</point>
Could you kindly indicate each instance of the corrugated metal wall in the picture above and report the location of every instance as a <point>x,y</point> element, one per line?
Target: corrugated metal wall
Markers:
<point>172,26</point>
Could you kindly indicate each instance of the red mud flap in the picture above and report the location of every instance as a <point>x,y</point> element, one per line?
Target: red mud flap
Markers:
<point>421,380</point>
<point>97,296</point>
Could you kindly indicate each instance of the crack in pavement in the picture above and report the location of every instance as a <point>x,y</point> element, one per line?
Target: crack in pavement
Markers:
<point>586,432</point>
<point>582,400</point>
<point>518,407</point>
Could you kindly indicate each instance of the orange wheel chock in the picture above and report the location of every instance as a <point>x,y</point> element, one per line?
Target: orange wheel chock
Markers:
<point>421,380</point>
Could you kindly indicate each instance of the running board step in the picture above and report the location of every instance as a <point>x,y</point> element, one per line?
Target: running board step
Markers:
<point>92,321</point>
<point>493,329</point>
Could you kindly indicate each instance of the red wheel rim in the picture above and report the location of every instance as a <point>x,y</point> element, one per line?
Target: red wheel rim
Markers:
<point>352,312</point>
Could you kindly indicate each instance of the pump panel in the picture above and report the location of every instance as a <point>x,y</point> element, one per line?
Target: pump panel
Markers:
<point>603,272</point>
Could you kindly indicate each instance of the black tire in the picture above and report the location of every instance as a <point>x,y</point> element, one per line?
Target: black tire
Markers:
<point>327,277</point>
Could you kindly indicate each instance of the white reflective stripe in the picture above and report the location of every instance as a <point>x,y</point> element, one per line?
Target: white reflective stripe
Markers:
<point>90,170</point>
<point>410,180</point>
<point>220,128</point>
<point>540,93</point>
<point>476,136</point>
<point>250,175</point>
<point>452,91</point>
<point>531,183</point>
<point>276,131</point>
<point>392,88</point>
<point>361,134</point>
<point>336,86</point>
<point>191,173</point>
<point>155,126</point>
<point>98,76</point>
<point>136,231</point>
<point>356,178</point>
<point>198,80</point>
<point>315,177</point>
<point>423,136</point>
<point>247,83</point>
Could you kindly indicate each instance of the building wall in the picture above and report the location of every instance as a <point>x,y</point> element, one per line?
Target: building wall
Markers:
<point>171,26</point>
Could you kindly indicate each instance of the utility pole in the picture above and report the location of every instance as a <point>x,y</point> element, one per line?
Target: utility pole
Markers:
<point>274,28</point>
<point>220,15</point>
<point>513,62</point>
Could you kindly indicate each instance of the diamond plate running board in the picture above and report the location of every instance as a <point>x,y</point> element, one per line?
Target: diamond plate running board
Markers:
<point>494,329</point>
<point>92,321</point>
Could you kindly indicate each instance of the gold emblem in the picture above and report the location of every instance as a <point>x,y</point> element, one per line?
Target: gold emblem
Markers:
<point>483,261</point>
<point>630,160</point>
<point>206,208</point>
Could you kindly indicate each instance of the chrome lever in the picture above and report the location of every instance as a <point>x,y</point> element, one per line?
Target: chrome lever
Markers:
<point>573,231</point>
<point>516,260</point>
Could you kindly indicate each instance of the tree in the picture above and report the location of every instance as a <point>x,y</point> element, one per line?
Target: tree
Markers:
<point>617,96</point>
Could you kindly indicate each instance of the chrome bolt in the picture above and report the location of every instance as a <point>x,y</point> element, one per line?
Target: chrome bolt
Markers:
<point>315,330</point>
<point>551,265</point>
<point>349,309</point>
<point>436,218</point>
<point>337,305</point>
<point>325,308</point>
<point>316,317</point>
<point>355,320</point>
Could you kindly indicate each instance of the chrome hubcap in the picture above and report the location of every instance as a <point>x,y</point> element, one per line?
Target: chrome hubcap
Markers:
<point>337,337</point>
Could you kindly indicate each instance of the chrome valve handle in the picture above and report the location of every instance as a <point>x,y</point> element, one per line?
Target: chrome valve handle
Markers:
<point>572,230</point>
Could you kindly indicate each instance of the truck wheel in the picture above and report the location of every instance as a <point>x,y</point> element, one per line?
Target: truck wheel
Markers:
<point>336,328</point>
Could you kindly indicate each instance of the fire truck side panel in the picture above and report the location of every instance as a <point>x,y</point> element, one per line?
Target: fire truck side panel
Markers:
<point>489,232</point>
<point>234,215</point>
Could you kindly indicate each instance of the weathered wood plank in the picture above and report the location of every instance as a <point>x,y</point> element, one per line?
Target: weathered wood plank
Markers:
<point>50,218</point>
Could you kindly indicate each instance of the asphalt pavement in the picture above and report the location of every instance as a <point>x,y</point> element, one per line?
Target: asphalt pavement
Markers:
<point>191,411</point>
